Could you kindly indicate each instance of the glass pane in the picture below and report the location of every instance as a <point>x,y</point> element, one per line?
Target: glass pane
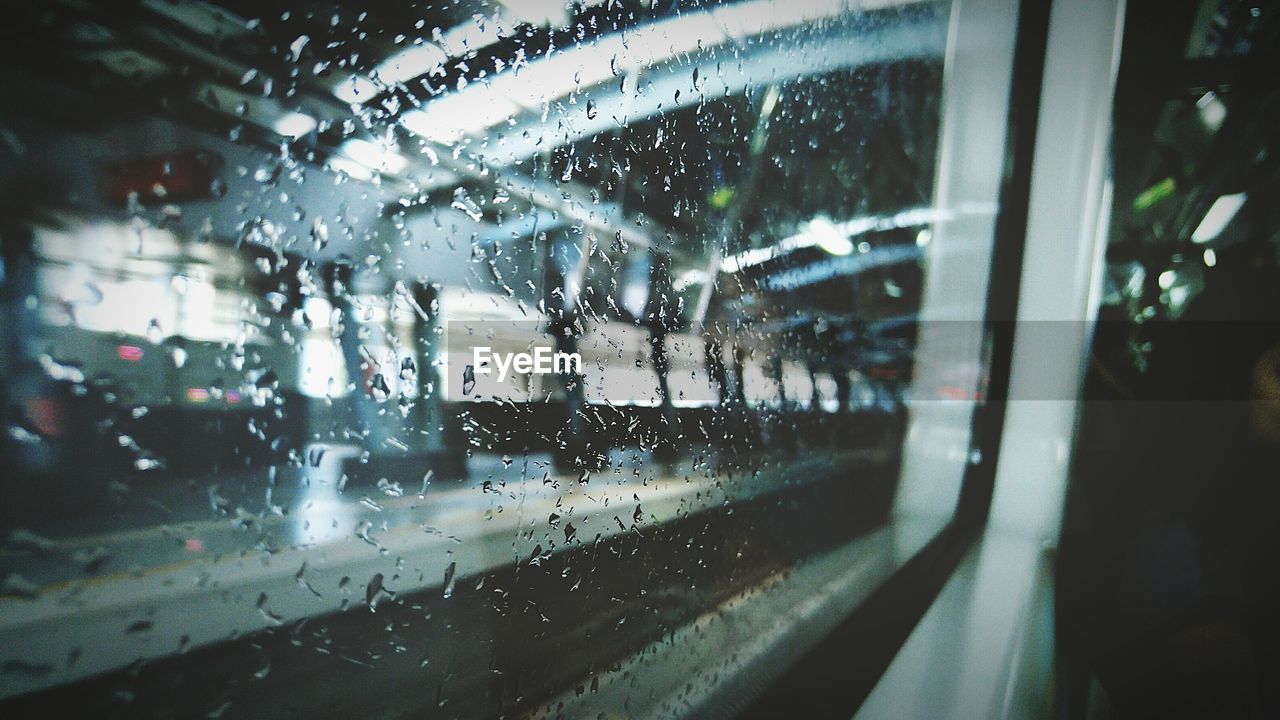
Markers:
<point>475,359</point>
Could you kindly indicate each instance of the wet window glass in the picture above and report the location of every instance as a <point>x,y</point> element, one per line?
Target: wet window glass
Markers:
<point>464,359</point>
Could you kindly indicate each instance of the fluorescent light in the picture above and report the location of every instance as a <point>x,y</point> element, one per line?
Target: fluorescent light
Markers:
<point>1220,215</point>
<point>470,36</point>
<point>433,126</point>
<point>834,237</point>
<point>412,62</point>
<point>756,18</point>
<point>294,124</point>
<point>355,90</point>
<point>401,67</point>
<point>451,117</point>
<point>350,167</point>
<point>538,12</point>
<point>530,85</point>
<point>373,156</point>
<point>754,256</point>
<point>420,59</point>
<point>828,237</point>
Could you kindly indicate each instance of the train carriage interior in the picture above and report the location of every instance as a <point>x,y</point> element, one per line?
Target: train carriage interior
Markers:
<point>639,359</point>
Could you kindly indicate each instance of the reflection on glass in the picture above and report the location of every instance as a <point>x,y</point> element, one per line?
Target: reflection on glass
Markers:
<point>244,418</point>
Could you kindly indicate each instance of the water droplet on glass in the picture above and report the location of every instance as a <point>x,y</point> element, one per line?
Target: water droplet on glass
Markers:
<point>315,454</point>
<point>373,592</point>
<point>378,388</point>
<point>462,201</point>
<point>319,234</point>
<point>449,573</point>
<point>295,48</point>
<point>468,380</point>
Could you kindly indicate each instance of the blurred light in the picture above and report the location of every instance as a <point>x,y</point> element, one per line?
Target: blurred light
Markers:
<point>470,36</point>
<point>129,353</point>
<point>721,197</point>
<point>1210,257</point>
<point>451,117</point>
<point>1167,279</point>
<point>534,84</point>
<point>418,60</point>
<point>1154,194</point>
<point>458,304</point>
<point>1137,276</point>
<point>923,237</point>
<point>374,156</point>
<point>755,18</point>
<point>688,278</point>
<point>1220,215</point>
<point>797,384</point>
<point>294,124</point>
<point>322,368</point>
<point>759,387</point>
<point>828,392</point>
<point>827,236</point>
<point>883,256</point>
<point>634,297</point>
<point>911,217</point>
<point>59,371</point>
<point>355,90</point>
<point>538,12</point>
<point>350,167</point>
<point>197,395</point>
<point>635,288</point>
<point>233,396</point>
<point>748,258</point>
<point>414,61</point>
<point>1212,111</point>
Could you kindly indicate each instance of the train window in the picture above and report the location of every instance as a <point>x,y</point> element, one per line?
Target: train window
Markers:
<point>474,358</point>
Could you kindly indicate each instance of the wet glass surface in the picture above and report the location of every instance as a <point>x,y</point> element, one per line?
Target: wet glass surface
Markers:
<point>254,253</point>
